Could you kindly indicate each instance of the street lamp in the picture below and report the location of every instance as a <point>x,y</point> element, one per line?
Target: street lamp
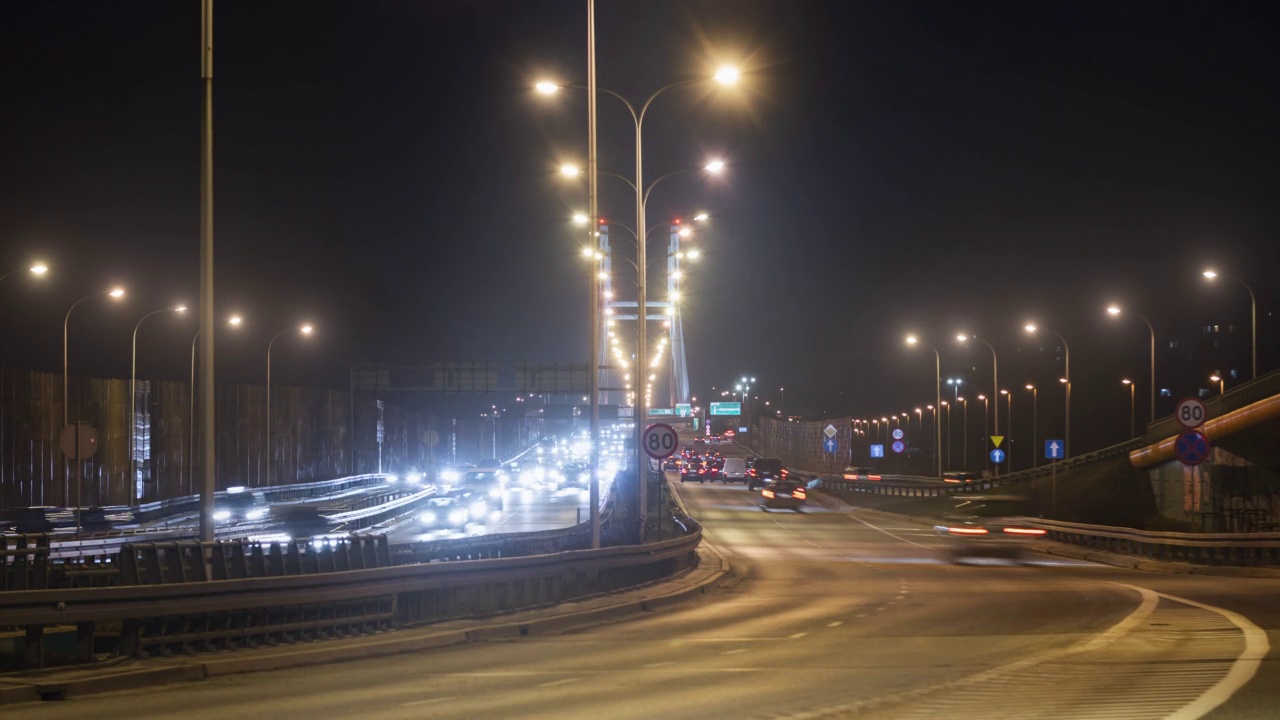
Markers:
<point>1253,319</point>
<point>964,410</point>
<point>995,378</point>
<point>1035,453</point>
<point>1133,431</point>
<point>136,494</point>
<point>37,269</point>
<point>1221,383</point>
<point>986,415</point>
<point>114,294</point>
<point>234,321</point>
<point>1066,356</point>
<point>1008,425</point>
<point>937,397</point>
<point>947,405</point>
<point>1114,311</point>
<point>304,330</point>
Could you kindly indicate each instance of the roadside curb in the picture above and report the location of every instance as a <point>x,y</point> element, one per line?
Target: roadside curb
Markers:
<point>138,675</point>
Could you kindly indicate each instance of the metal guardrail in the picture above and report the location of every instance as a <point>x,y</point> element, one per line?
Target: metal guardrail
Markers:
<point>184,616</point>
<point>1223,549</point>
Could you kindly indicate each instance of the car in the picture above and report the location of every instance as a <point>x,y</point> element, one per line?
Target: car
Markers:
<point>734,470</point>
<point>714,467</point>
<point>240,504</point>
<point>576,475</point>
<point>454,510</point>
<point>487,483</point>
<point>763,470</point>
<point>693,470</point>
<point>861,472</point>
<point>783,493</point>
<point>987,526</point>
<point>960,476</point>
<point>671,464</point>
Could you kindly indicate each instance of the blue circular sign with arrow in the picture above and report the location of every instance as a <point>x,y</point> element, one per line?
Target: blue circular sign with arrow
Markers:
<point>997,456</point>
<point>1191,448</point>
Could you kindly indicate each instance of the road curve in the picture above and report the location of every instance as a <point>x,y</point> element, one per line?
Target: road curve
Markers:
<point>833,612</point>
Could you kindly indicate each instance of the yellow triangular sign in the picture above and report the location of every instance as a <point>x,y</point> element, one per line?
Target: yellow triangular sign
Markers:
<point>997,439</point>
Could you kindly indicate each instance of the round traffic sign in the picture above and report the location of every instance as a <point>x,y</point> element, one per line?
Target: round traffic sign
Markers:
<point>659,440</point>
<point>898,434</point>
<point>78,441</point>
<point>1190,413</point>
<point>997,456</point>
<point>431,438</point>
<point>1191,448</point>
<point>898,446</point>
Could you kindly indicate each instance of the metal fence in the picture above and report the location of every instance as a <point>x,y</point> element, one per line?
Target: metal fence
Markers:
<point>1223,549</point>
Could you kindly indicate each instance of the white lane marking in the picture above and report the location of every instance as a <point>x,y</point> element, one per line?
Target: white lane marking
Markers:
<point>734,652</point>
<point>413,703</point>
<point>837,623</point>
<point>1242,670</point>
<point>886,532</point>
<point>860,615</point>
<point>565,681</point>
<point>799,635</point>
<point>664,663</point>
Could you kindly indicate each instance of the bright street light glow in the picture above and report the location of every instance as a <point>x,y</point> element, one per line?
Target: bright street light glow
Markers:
<point>694,254</point>
<point>701,217</point>
<point>546,87</point>
<point>1215,378</point>
<point>684,232</point>
<point>117,293</point>
<point>1113,310</point>
<point>180,308</point>
<point>1126,381</point>
<point>579,219</point>
<point>570,170</point>
<point>912,340</point>
<point>39,269</point>
<point>235,320</point>
<point>1030,327</point>
<point>306,329</point>
<point>1030,386</point>
<point>1210,274</point>
<point>715,166</point>
<point>588,252</point>
<point>727,75</point>
<point>962,337</point>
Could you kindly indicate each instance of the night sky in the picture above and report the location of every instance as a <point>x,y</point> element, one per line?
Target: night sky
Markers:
<point>384,171</point>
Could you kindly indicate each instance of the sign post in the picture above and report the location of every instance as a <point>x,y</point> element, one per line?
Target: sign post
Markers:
<point>79,442</point>
<point>1053,452</point>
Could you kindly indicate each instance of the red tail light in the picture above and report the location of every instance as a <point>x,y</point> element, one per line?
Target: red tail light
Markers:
<point>784,472</point>
<point>967,530</point>
<point>1030,532</point>
<point>767,493</point>
<point>798,494</point>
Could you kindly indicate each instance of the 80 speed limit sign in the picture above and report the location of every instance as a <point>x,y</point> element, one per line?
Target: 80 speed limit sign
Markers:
<point>659,440</point>
<point>1190,413</point>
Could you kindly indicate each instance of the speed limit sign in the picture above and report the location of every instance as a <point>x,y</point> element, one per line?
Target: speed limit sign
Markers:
<point>659,440</point>
<point>1190,413</point>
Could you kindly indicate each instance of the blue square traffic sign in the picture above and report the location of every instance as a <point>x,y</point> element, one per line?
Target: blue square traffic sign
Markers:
<point>877,451</point>
<point>830,445</point>
<point>1054,449</point>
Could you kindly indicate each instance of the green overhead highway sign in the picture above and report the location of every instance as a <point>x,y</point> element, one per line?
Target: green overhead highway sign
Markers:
<point>726,408</point>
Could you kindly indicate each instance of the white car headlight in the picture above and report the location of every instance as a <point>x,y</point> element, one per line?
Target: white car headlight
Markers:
<point>256,514</point>
<point>495,493</point>
<point>458,516</point>
<point>449,476</point>
<point>479,508</point>
<point>413,478</point>
<point>392,479</point>
<point>427,518</point>
<point>221,515</point>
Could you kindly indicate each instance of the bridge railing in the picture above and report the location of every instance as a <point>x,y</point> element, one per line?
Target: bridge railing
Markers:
<point>1224,549</point>
<point>1237,397</point>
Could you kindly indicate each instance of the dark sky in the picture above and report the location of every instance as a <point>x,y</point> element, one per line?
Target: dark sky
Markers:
<point>383,171</point>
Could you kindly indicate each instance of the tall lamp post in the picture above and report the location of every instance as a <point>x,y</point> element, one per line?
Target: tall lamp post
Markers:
<point>116,294</point>
<point>995,380</point>
<point>37,269</point>
<point>947,405</point>
<point>964,411</point>
<point>1133,430</point>
<point>305,330</point>
<point>1066,356</point>
<point>1035,453</point>
<point>1114,311</point>
<point>937,397</point>
<point>1008,424</point>
<point>233,321</point>
<point>1222,384</point>
<point>135,494</point>
<point>1253,320</point>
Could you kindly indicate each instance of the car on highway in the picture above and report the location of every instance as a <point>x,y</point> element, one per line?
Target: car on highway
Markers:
<point>734,470</point>
<point>489,484</point>
<point>960,476</point>
<point>783,493</point>
<point>987,526</point>
<point>715,467</point>
<point>861,472</point>
<point>763,470</point>
<point>454,510</point>
<point>239,505</point>
<point>693,471</point>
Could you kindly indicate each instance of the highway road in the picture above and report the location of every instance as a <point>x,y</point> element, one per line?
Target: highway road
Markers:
<point>833,612</point>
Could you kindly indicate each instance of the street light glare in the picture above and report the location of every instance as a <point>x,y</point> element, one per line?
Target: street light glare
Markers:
<point>962,337</point>
<point>306,329</point>
<point>701,217</point>
<point>912,340</point>
<point>1030,386</point>
<point>580,219</point>
<point>1113,310</point>
<point>546,87</point>
<point>1126,381</point>
<point>715,166</point>
<point>39,269</point>
<point>1030,327</point>
<point>570,170</point>
<point>588,252</point>
<point>117,293</point>
<point>1215,378</point>
<point>180,308</point>
<point>694,254</point>
<point>1210,274</point>
<point>727,75</point>
<point>235,320</point>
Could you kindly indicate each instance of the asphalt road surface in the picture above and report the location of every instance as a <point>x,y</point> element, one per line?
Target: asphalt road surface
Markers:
<point>832,612</point>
